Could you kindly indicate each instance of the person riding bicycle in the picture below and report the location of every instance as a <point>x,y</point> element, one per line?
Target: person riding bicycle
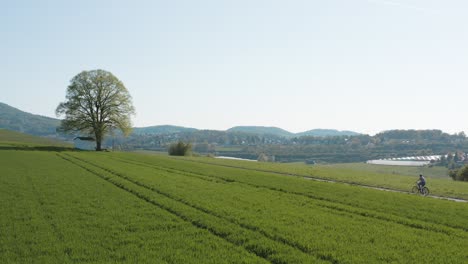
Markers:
<point>421,182</point>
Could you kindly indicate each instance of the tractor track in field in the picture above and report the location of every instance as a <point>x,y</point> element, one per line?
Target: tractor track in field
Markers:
<point>195,223</point>
<point>48,216</point>
<point>315,178</point>
<point>364,212</point>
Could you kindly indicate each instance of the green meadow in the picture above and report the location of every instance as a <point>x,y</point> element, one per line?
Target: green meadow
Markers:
<point>64,206</point>
<point>392,177</point>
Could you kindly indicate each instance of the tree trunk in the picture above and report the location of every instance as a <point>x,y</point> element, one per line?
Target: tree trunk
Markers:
<point>98,145</point>
<point>98,135</point>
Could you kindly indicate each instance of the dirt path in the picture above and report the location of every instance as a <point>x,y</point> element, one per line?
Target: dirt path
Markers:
<point>383,189</point>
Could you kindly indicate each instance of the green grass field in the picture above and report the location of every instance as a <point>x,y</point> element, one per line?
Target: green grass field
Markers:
<point>398,178</point>
<point>87,207</point>
<point>435,172</point>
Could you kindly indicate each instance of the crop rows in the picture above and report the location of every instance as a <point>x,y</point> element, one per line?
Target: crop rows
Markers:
<point>274,250</point>
<point>322,202</point>
<point>415,208</point>
<point>87,207</point>
<point>55,212</point>
<point>316,227</point>
<point>439,185</point>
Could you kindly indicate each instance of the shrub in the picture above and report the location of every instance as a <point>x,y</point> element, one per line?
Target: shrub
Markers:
<point>180,149</point>
<point>453,174</point>
<point>462,174</point>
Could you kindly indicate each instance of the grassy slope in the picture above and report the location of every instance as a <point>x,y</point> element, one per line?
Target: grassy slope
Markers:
<point>13,138</point>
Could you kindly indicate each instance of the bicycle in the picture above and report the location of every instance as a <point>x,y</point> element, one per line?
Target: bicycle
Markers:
<point>423,191</point>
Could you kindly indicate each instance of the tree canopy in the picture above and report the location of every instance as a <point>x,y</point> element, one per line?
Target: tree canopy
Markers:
<point>97,103</point>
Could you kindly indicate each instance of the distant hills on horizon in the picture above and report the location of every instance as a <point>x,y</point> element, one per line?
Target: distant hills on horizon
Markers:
<point>14,119</point>
<point>261,130</point>
<point>316,145</point>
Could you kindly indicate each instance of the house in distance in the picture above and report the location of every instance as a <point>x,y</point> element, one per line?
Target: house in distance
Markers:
<point>85,143</point>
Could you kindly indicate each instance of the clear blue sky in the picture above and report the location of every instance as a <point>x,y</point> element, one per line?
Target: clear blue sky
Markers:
<point>362,65</point>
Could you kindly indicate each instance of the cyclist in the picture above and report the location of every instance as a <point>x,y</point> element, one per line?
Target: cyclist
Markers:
<point>421,182</point>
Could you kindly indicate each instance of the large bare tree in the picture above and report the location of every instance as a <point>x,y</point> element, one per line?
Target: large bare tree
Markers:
<point>97,103</point>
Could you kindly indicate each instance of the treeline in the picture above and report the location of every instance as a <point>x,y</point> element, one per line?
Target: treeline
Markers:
<point>388,144</point>
<point>211,137</point>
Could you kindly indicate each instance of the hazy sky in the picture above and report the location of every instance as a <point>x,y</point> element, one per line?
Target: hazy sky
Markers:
<point>361,65</point>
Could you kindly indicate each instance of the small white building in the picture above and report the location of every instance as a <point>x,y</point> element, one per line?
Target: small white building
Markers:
<point>85,143</point>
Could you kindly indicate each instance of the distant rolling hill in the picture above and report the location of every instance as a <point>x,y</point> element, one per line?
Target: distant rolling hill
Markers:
<point>165,129</point>
<point>283,133</point>
<point>17,120</point>
<point>261,130</point>
<point>326,133</point>
<point>8,137</point>
<point>14,119</point>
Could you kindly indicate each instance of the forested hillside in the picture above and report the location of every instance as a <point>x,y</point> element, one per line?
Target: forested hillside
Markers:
<point>17,120</point>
